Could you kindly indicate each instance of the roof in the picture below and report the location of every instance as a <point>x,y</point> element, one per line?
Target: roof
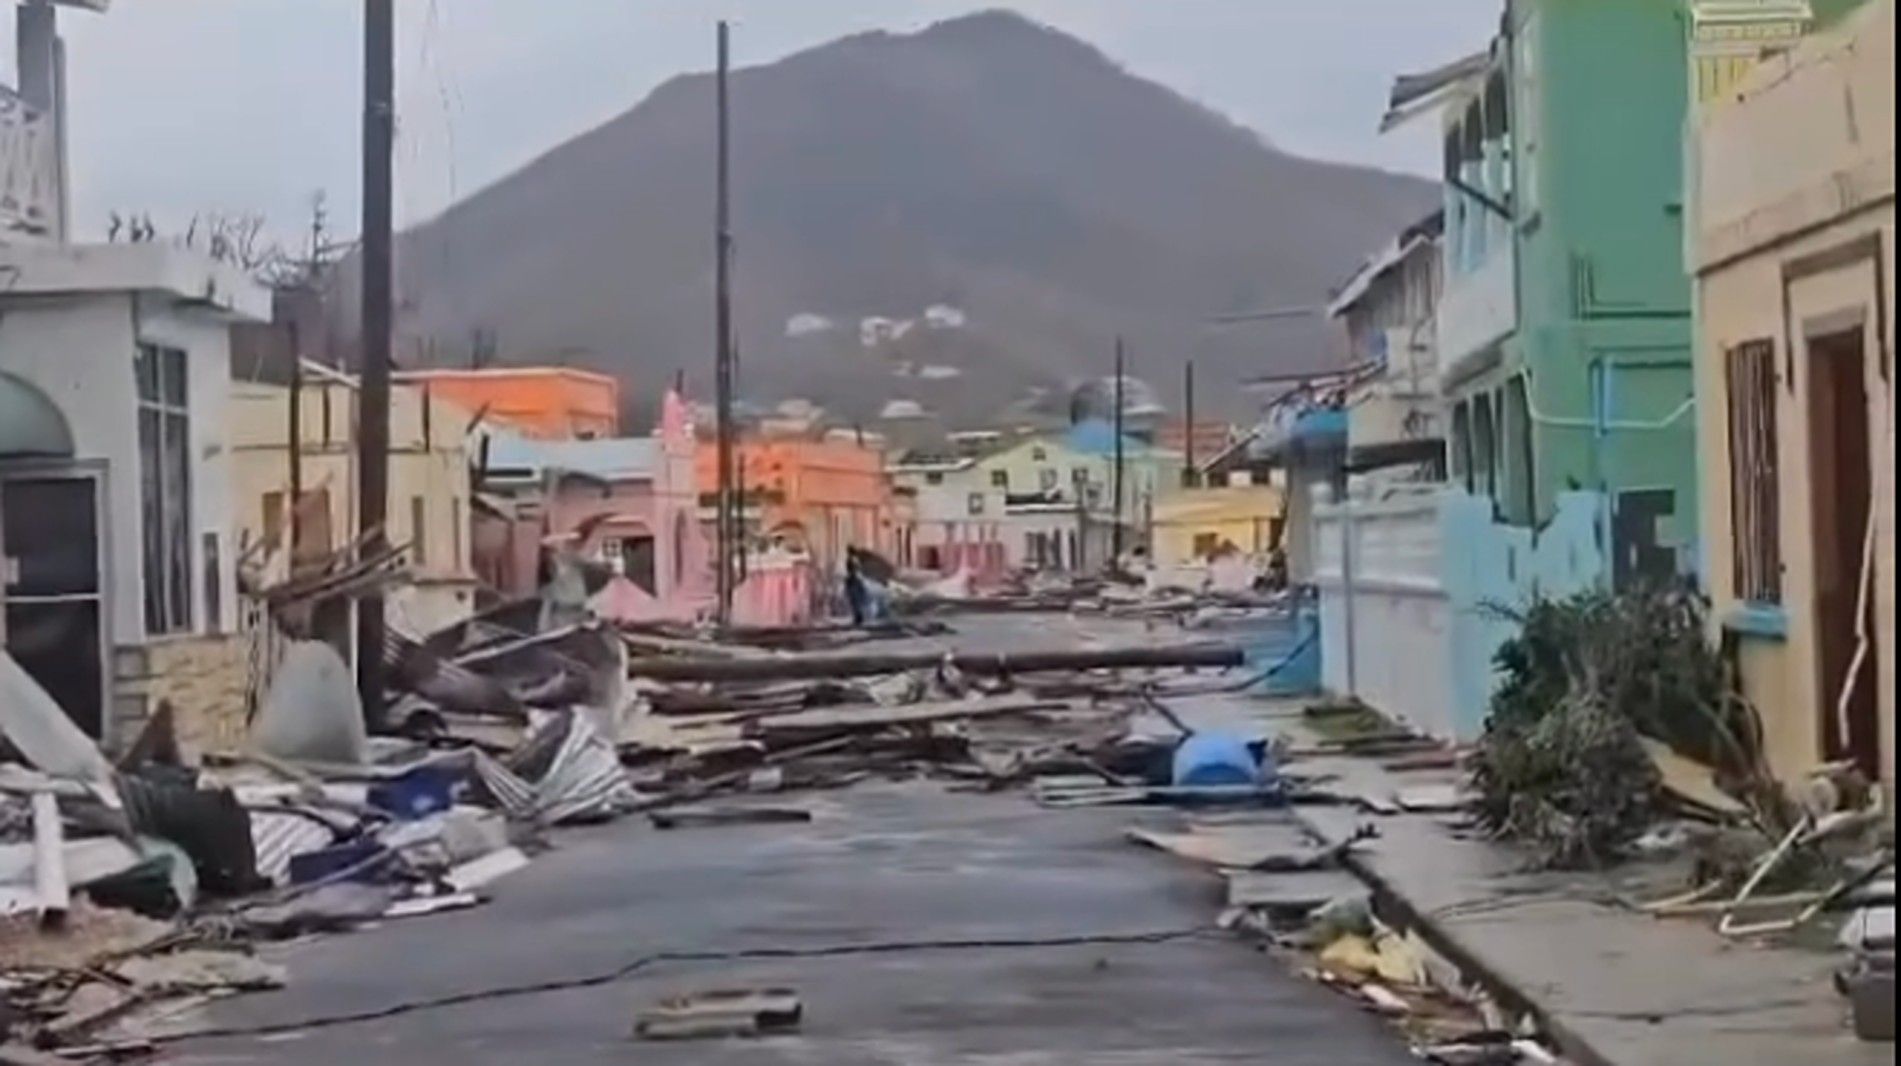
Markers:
<point>1420,234</point>
<point>190,278</point>
<point>1220,504</point>
<point>488,373</point>
<point>1417,94</point>
<point>1096,437</point>
<point>606,458</point>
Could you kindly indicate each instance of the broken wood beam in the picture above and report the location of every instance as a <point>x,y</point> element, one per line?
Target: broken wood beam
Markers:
<point>866,717</point>
<point>862,664</point>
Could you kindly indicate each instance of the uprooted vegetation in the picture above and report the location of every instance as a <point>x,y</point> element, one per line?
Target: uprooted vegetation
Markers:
<point>1562,766</point>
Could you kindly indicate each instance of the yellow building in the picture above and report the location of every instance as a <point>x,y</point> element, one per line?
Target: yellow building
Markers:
<point>1794,259</point>
<point>1194,524</point>
<point>428,506</point>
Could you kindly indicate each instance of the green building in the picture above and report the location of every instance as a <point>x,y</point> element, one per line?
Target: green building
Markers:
<point>1564,329</point>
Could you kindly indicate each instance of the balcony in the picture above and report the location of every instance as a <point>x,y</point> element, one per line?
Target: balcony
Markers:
<point>1478,309</point>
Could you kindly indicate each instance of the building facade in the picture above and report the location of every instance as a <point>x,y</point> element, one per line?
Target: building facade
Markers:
<point>1564,327</point>
<point>547,403</point>
<point>429,503</point>
<point>1043,501</point>
<point>1794,259</point>
<point>120,588</point>
<point>628,503</point>
<point>1563,335</point>
<point>1388,311</point>
<point>818,495</point>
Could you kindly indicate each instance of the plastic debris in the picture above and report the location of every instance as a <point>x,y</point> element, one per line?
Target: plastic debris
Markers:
<point>312,713</point>
<point>35,725</point>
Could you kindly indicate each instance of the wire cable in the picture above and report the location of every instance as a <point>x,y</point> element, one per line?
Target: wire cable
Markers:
<point>645,962</point>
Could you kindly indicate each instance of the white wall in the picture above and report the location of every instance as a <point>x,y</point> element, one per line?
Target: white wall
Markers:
<point>1401,653</point>
<point>1477,310</point>
<point>80,349</point>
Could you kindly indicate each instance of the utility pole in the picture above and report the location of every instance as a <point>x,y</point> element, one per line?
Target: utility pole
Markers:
<point>1188,438</point>
<point>372,487</point>
<point>1115,529</point>
<point>726,533</point>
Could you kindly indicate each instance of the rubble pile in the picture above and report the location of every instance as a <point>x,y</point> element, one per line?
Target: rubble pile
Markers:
<point>131,891</point>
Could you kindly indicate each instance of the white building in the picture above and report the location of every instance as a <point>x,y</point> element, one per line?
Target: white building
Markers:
<point>1389,311</point>
<point>116,524</point>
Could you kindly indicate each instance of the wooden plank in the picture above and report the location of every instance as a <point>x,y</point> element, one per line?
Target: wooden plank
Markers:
<point>861,664</point>
<point>1240,847</point>
<point>869,716</point>
<point>1299,891</point>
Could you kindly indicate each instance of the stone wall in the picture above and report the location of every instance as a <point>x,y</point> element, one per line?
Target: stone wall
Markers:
<point>205,679</point>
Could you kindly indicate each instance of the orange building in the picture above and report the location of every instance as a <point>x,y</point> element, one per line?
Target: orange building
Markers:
<point>545,402</point>
<point>822,495</point>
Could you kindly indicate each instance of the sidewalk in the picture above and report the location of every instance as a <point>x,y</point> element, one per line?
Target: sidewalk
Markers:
<point>1613,987</point>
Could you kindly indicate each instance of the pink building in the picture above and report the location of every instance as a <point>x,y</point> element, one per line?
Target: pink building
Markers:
<point>627,502</point>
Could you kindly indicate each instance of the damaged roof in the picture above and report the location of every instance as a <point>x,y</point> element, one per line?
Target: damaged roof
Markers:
<point>605,458</point>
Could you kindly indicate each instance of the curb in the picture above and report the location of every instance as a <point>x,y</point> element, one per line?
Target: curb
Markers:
<point>1393,908</point>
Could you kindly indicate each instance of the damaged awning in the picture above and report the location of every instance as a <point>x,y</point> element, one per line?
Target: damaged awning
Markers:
<point>1417,94</point>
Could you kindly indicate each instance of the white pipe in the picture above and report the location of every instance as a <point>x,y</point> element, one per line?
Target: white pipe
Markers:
<point>1665,422</point>
<point>49,856</point>
<point>1865,589</point>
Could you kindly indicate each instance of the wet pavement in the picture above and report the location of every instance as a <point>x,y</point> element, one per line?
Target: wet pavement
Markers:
<point>963,896</point>
<point>880,864</point>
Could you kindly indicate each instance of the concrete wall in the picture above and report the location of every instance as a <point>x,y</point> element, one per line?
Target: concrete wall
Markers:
<point>1414,630</point>
<point>1797,231</point>
<point>205,679</point>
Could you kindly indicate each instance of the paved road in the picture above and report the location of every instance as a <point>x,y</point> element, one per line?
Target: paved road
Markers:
<point>879,863</point>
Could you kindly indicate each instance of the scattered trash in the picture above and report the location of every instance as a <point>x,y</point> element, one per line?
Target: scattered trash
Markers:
<point>486,870</point>
<point>197,970</point>
<point>714,1014</point>
<point>700,817</point>
<point>416,906</point>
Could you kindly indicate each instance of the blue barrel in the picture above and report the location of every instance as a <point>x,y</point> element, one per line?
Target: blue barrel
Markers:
<point>1209,760</point>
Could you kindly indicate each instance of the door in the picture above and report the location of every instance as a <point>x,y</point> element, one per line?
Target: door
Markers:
<point>1840,490</point>
<point>55,612</point>
<point>638,562</point>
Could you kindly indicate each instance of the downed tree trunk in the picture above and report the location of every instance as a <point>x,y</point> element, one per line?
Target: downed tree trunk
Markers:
<point>861,664</point>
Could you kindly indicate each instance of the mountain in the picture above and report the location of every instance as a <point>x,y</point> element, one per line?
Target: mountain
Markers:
<point>1032,196</point>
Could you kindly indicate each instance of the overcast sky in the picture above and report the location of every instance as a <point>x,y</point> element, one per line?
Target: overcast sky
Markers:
<point>179,106</point>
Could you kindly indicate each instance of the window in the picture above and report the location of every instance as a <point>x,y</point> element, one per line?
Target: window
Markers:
<point>272,508</point>
<point>1520,490</point>
<point>1462,446</point>
<point>934,478</point>
<point>976,503</point>
<point>1484,447</point>
<point>1000,479</point>
<point>214,589</point>
<point>419,530</point>
<point>1046,479</point>
<point>1038,454</point>
<point>1206,545</point>
<point>1755,525</point>
<point>164,488</point>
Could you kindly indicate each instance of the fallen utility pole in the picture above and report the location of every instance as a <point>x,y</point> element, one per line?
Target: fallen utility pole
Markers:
<point>806,667</point>
<point>372,485</point>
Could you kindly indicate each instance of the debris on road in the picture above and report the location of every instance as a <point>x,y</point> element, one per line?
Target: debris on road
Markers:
<point>722,1013</point>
